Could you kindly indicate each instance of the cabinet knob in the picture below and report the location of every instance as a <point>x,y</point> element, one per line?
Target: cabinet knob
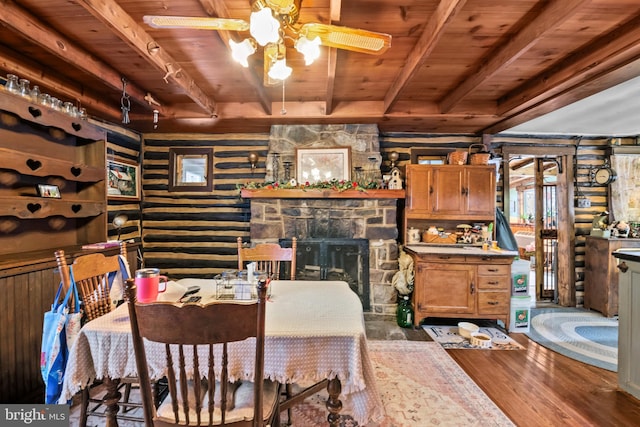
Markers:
<point>493,303</point>
<point>623,267</point>
<point>472,288</point>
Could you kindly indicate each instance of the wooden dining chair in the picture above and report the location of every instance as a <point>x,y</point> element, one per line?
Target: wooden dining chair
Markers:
<point>268,257</point>
<point>213,328</point>
<point>94,274</point>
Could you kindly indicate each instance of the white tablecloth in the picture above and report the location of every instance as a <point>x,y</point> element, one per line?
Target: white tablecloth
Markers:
<point>314,330</point>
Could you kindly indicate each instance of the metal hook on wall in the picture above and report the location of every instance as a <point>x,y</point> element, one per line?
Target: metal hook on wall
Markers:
<point>125,103</point>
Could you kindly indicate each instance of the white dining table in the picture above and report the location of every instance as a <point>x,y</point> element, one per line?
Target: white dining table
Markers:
<point>314,331</point>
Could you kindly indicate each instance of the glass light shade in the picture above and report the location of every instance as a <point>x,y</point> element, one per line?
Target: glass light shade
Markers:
<point>264,27</point>
<point>309,48</point>
<point>279,70</point>
<point>241,51</point>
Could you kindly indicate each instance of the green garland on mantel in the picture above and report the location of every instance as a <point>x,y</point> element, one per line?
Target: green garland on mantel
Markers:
<point>334,184</point>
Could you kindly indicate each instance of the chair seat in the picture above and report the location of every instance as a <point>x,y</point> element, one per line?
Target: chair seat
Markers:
<point>242,410</point>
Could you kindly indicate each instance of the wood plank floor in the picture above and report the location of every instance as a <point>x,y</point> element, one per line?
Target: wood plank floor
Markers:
<point>536,387</point>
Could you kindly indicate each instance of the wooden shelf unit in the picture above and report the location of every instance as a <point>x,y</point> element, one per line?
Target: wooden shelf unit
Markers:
<point>39,145</point>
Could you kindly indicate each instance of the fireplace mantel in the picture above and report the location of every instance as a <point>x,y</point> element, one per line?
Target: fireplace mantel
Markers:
<point>290,193</point>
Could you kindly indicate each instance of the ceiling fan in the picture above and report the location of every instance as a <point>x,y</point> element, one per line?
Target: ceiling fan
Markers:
<point>271,23</point>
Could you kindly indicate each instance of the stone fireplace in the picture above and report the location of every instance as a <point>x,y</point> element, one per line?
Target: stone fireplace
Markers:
<point>318,215</point>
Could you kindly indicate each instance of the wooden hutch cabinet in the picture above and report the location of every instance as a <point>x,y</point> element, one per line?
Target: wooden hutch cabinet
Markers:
<point>455,281</point>
<point>446,195</point>
<point>601,274</point>
<point>41,146</point>
<point>457,285</point>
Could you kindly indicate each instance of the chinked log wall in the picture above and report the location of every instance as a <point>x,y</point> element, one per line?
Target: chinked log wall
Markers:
<point>124,145</point>
<point>590,151</point>
<point>193,234</point>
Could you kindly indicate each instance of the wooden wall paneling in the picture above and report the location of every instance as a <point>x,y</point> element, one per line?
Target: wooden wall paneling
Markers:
<point>26,297</point>
<point>188,234</point>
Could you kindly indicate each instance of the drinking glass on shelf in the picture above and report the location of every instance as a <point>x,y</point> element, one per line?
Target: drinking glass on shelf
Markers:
<point>25,90</point>
<point>35,94</point>
<point>12,84</point>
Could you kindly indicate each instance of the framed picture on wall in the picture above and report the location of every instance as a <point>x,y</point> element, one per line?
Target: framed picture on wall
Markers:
<point>323,164</point>
<point>191,169</point>
<point>123,180</point>
<point>49,191</point>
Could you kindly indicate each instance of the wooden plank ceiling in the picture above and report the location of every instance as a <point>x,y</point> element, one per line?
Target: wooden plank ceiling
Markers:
<point>454,66</point>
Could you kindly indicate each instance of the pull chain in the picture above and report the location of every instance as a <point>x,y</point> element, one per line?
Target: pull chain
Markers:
<point>125,103</point>
<point>283,111</point>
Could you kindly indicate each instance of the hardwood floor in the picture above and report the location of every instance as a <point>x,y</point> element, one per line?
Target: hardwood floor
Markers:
<point>535,387</point>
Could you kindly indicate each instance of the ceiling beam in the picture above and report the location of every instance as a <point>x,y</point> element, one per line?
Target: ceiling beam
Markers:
<point>433,30</point>
<point>218,9</point>
<point>114,17</point>
<point>608,52</point>
<point>37,32</point>
<point>332,58</point>
<point>554,14</point>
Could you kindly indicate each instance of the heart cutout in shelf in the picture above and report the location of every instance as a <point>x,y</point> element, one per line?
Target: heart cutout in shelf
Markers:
<point>76,126</point>
<point>76,171</point>
<point>34,164</point>
<point>34,207</point>
<point>35,112</point>
<point>76,208</point>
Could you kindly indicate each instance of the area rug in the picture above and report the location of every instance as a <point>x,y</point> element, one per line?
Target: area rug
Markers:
<point>580,334</point>
<point>420,385</point>
<point>448,337</point>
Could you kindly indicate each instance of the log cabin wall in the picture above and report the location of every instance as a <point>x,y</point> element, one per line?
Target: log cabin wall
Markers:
<point>124,145</point>
<point>193,234</point>
<point>589,152</point>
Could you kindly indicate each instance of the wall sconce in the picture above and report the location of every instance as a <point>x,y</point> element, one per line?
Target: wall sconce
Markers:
<point>393,158</point>
<point>253,160</point>
<point>118,222</point>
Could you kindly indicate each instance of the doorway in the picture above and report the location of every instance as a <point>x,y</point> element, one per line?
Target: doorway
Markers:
<point>537,203</point>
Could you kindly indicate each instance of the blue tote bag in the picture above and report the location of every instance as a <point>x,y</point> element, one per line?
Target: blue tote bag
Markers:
<point>54,351</point>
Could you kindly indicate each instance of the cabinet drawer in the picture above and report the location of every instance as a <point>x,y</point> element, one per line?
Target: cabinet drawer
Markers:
<point>494,270</point>
<point>493,302</point>
<point>444,258</point>
<point>494,282</point>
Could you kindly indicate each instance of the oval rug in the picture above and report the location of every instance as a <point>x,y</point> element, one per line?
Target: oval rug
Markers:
<point>580,334</point>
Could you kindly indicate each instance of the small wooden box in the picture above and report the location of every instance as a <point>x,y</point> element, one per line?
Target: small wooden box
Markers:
<point>435,238</point>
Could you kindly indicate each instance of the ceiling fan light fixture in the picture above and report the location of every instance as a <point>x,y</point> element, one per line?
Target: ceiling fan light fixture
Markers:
<point>279,70</point>
<point>264,28</point>
<point>310,48</point>
<point>240,52</point>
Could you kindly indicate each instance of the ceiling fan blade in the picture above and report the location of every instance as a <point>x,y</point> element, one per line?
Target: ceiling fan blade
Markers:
<point>198,23</point>
<point>348,38</point>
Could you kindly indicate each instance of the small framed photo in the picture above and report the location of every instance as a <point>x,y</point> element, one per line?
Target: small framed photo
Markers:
<point>323,164</point>
<point>123,178</point>
<point>49,191</point>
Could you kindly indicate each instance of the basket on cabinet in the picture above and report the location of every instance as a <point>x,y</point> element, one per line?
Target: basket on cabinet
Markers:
<point>478,158</point>
<point>457,158</point>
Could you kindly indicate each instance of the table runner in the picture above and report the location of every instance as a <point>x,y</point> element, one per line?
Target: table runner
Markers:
<point>314,330</point>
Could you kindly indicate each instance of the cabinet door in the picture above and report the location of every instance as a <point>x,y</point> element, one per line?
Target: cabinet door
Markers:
<point>480,190</point>
<point>448,197</point>
<point>419,189</point>
<point>445,288</point>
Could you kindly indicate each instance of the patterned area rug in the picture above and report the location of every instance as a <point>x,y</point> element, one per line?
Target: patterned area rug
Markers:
<point>580,334</point>
<point>420,385</point>
<point>448,337</point>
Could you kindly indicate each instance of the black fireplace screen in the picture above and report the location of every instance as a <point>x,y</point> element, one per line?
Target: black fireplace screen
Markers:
<point>334,259</point>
